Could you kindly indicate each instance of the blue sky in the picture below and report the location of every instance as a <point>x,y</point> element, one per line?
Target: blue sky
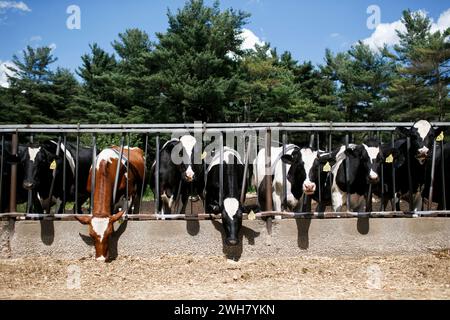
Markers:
<point>306,28</point>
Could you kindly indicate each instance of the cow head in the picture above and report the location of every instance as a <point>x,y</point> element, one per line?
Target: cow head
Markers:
<point>365,160</point>
<point>232,220</point>
<point>37,166</point>
<point>303,163</point>
<point>422,135</point>
<point>183,154</point>
<point>100,230</point>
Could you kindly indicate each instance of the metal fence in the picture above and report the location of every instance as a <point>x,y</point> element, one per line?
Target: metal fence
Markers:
<point>320,136</point>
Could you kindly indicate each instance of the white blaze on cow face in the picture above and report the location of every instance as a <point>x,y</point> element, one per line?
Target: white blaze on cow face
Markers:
<point>32,152</point>
<point>423,128</point>
<point>188,143</point>
<point>231,206</point>
<point>308,157</point>
<point>373,154</point>
<point>99,225</point>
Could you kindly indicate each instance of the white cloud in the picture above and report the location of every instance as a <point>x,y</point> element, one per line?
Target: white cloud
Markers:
<point>385,33</point>
<point>250,39</point>
<point>52,46</point>
<point>22,6</point>
<point>442,23</point>
<point>334,35</point>
<point>4,71</point>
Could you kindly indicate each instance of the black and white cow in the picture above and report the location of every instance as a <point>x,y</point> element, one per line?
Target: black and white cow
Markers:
<point>179,175</point>
<point>301,174</point>
<point>8,160</point>
<point>39,165</point>
<point>363,163</point>
<point>231,208</point>
<point>422,135</point>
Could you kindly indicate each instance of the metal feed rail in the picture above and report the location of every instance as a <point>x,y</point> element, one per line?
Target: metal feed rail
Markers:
<point>267,128</point>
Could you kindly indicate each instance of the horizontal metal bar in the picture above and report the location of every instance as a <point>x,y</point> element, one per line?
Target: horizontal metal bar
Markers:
<point>169,128</point>
<point>259,215</point>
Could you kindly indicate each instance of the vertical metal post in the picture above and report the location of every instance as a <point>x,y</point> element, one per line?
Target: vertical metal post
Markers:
<point>77,165</point>
<point>347,173</point>
<point>394,185</point>
<point>330,143</point>
<point>30,192</point>
<point>268,175</point>
<point>52,185</point>
<point>408,163</point>
<point>13,188</point>
<point>64,173</point>
<point>433,164</point>
<point>221,170</point>
<point>319,171</point>
<point>380,142</point>
<point>157,165</point>
<point>247,148</point>
<point>119,162</point>
<point>144,177</point>
<point>128,174</point>
<point>444,200</point>
<point>94,165</point>
<point>1,171</point>
<point>283,167</point>
<point>311,140</point>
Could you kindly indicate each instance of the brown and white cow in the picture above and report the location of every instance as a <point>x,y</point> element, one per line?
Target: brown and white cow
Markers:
<point>103,217</point>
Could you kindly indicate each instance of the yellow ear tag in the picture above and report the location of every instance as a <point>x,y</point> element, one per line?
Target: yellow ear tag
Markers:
<point>204,154</point>
<point>326,167</point>
<point>53,165</point>
<point>251,215</point>
<point>440,137</point>
<point>390,159</point>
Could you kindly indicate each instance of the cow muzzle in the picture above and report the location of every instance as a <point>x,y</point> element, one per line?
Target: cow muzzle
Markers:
<point>422,154</point>
<point>309,188</point>
<point>231,241</point>
<point>28,185</point>
<point>373,177</point>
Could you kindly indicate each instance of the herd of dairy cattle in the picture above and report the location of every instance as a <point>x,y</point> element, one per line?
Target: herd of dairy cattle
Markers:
<point>326,177</point>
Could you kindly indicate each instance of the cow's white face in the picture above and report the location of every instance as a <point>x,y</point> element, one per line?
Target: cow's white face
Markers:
<point>188,143</point>
<point>32,152</point>
<point>231,206</point>
<point>373,153</point>
<point>308,157</point>
<point>100,230</point>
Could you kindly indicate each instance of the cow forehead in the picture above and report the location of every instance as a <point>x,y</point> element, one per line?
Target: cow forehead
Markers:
<point>188,143</point>
<point>32,152</point>
<point>308,157</point>
<point>231,206</point>
<point>372,151</point>
<point>99,225</point>
<point>423,128</point>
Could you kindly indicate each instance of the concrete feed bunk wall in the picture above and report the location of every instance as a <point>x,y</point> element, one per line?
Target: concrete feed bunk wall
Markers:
<point>69,239</point>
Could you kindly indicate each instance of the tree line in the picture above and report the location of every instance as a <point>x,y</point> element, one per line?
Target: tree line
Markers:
<point>197,71</point>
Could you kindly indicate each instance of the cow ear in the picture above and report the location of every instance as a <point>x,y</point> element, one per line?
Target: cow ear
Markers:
<point>287,158</point>
<point>116,216</point>
<point>402,131</point>
<point>84,219</point>
<point>439,130</point>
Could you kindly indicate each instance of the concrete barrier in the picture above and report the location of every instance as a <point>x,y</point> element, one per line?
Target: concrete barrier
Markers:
<point>330,237</point>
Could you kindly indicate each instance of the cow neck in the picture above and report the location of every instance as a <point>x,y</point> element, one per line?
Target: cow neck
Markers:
<point>104,184</point>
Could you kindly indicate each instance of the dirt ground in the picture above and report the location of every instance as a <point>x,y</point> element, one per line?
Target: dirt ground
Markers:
<point>424,276</point>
